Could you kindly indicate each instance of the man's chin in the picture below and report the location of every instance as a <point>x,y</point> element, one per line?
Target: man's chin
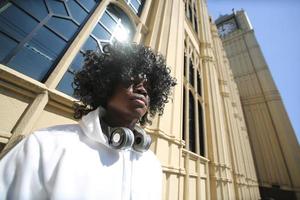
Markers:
<point>139,113</point>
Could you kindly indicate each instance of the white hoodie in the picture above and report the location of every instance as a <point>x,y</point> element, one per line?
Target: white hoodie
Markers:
<point>75,162</point>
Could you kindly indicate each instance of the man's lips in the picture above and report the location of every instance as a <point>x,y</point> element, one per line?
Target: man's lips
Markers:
<point>140,99</point>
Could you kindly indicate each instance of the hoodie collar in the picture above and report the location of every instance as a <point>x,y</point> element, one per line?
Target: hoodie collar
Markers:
<point>90,124</point>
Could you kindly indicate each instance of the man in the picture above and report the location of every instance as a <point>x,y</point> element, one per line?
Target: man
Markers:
<point>105,156</point>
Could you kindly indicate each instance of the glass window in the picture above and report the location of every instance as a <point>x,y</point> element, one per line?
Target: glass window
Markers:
<point>65,84</point>
<point>37,9</point>
<point>7,44</point>
<point>37,56</point>
<point>77,62</point>
<point>31,62</point>
<point>201,130</point>
<point>136,5</point>
<point>191,72</point>
<point>108,21</point>
<point>184,65</point>
<point>191,13</point>
<point>57,7</point>
<point>15,22</point>
<point>101,33</point>
<point>48,43</point>
<point>183,115</point>
<point>87,4</point>
<point>110,27</point>
<point>77,11</point>
<point>33,38</point>
<point>63,26</point>
<point>199,84</point>
<point>192,123</point>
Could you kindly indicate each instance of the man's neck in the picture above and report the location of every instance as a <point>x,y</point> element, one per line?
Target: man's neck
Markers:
<point>115,120</point>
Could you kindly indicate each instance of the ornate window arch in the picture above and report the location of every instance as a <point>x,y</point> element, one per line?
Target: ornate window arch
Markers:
<point>113,25</point>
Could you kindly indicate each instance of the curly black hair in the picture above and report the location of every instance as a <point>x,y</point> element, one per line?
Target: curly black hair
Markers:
<point>121,63</point>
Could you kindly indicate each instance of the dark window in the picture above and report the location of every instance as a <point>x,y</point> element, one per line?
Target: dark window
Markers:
<point>192,123</point>
<point>34,34</point>
<point>192,16</point>
<point>195,19</point>
<point>201,130</point>
<point>183,115</point>
<point>191,72</point>
<point>113,25</point>
<point>7,45</point>
<point>199,84</point>
<point>190,13</point>
<point>184,65</point>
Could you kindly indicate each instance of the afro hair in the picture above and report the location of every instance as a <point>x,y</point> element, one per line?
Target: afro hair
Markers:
<point>121,63</point>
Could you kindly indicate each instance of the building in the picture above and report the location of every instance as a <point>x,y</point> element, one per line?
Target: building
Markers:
<point>274,144</point>
<point>201,140</point>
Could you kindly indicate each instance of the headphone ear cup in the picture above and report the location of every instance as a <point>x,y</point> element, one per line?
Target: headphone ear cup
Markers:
<point>121,138</point>
<point>142,140</point>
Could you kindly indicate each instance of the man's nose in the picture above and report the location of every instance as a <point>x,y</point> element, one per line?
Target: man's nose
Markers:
<point>140,88</point>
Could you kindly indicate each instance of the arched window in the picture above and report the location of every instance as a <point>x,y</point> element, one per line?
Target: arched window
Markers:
<point>35,33</point>
<point>113,25</point>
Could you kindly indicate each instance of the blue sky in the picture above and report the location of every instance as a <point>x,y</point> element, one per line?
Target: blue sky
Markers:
<point>277,29</point>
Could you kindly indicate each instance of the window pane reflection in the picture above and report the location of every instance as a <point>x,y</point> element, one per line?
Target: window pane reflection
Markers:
<point>16,23</point>
<point>90,44</point>
<point>66,27</point>
<point>36,8</point>
<point>57,7</point>
<point>89,5</point>
<point>77,12</point>
<point>65,85</point>
<point>34,34</point>
<point>101,33</point>
<point>31,62</point>
<point>7,44</point>
<point>77,62</point>
<point>107,20</point>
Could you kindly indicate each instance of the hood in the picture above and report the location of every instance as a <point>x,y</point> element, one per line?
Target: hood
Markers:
<point>90,124</point>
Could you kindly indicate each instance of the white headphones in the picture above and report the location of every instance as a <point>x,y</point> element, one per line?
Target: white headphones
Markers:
<point>124,138</point>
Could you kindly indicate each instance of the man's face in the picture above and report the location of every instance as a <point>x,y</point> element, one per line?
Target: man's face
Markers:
<point>129,102</point>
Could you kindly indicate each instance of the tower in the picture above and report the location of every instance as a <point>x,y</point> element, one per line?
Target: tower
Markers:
<point>274,144</point>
